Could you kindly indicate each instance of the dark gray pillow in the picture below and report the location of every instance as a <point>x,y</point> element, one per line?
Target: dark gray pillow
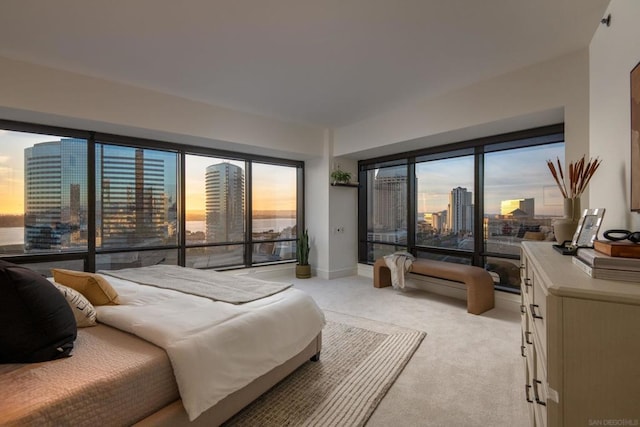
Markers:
<point>36,322</point>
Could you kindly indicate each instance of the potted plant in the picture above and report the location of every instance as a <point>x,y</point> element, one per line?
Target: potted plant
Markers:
<point>303,269</point>
<point>340,177</point>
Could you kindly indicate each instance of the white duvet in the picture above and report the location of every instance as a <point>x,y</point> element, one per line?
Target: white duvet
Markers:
<point>215,348</point>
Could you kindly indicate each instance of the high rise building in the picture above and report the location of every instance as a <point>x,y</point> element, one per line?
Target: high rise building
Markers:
<point>460,216</point>
<point>390,199</point>
<point>439,221</point>
<point>55,195</point>
<point>526,207</point>
<point>132,204</point>
<point>224,203</point>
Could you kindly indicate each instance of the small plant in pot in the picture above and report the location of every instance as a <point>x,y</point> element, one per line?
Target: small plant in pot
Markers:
<point>340,177</point>
<point>303,269</point>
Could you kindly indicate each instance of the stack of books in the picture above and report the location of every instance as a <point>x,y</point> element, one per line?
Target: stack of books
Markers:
<point>601,265</point>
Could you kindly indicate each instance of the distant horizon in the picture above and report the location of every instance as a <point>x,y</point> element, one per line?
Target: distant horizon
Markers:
<point>198,215</point>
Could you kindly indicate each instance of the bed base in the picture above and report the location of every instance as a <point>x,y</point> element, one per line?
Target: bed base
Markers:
<point>175,415</point>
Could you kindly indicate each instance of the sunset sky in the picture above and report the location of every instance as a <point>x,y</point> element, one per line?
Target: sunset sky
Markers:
<point>508,175</point>
<point>275,187</point>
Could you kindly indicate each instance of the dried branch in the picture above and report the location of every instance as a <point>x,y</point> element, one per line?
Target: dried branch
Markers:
<point>552,168</point>
<point>579,176</point>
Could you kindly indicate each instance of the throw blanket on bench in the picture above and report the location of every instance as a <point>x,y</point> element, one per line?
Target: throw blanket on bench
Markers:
<point>399,263</point>
<point>203,283</point>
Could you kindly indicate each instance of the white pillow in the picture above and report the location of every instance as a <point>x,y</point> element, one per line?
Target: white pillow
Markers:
<point>83,310</point>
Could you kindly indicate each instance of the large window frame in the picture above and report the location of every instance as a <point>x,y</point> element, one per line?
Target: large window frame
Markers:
<point>88,256</point>
<point>477,148</point>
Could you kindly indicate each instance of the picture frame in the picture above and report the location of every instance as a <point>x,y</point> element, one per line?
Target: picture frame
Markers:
<point>588,227</point>
<point>635,138</point>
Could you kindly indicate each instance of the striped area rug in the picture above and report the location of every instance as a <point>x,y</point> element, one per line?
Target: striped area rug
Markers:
<point>360,360</point>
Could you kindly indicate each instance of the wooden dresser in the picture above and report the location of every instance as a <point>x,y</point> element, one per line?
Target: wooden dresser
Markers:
<point>580,343</point>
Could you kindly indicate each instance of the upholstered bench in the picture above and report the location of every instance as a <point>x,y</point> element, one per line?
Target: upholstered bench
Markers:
<point>478,281</point>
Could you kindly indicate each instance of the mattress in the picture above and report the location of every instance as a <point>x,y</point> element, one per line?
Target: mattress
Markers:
<point>112,376</point>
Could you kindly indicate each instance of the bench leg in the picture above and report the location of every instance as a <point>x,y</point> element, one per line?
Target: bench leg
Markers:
<point>381,274</point>
<point>480,297</point>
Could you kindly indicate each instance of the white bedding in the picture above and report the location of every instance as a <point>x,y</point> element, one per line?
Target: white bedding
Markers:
<point>215,348</point>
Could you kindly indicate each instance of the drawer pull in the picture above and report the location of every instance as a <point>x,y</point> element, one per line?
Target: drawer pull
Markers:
<point>535,392</point>
<point>533,311</point>
<point>522,351</point>
<point>527,387</point>
<point>526,337</point>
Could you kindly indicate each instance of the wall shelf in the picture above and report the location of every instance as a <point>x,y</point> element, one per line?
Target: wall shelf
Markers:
<point>342,184</point>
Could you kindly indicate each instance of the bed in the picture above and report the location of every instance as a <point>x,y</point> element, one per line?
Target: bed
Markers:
<point>135,367</point>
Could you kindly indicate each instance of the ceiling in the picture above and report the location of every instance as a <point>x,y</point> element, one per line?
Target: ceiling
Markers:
<point>322,62</point>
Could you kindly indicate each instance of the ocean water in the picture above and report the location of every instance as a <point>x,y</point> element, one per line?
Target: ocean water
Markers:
<point>11,236</point>
<point>258,225</point>
<point>15,235</point>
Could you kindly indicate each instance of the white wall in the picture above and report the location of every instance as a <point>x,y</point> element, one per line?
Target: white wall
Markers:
<point>545,93</point>
<point>335,253</point>
<point>613,54</point>
<point>343,223</point>
<point>43,95</point>
<point>317,208</point>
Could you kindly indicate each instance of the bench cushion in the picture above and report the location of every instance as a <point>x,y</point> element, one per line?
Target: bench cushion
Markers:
<point>479,283</point>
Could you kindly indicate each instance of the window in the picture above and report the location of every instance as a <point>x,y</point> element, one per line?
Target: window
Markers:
<point>520,196</point>
<point>387,209</point>
<point>445,203</point>
<point>135,197</point>
<point>96,201</point>
<point>43,187</point>
<point>215,211</point>
<point>273,212</point>
<point>520,201</point>
<point>471,202</point>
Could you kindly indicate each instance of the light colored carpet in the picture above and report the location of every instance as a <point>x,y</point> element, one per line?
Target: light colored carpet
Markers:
<point>468,370</point>
<point>359,362</point>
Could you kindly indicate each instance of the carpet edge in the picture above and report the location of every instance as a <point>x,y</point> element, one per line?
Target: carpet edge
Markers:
<point>344,405</point>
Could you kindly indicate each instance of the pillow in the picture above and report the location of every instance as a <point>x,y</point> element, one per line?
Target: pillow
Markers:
<point>36,323</point>
<point>93,286</point>
<point>83,311</point>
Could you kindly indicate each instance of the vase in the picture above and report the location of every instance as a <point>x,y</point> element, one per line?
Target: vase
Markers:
<point>564,228</point>
<point>303,271</point>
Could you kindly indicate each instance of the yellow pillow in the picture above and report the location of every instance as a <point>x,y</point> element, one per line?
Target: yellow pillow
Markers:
<point>93,286</point>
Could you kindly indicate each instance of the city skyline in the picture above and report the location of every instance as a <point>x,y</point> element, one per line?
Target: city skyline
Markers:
<point>506,177</point>
<point>273,192</point>
<point>510,181</point>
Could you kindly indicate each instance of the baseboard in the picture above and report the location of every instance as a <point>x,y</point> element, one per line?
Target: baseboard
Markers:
<point>365,270</point>
<point>345,272</point>
<point>503,300</point>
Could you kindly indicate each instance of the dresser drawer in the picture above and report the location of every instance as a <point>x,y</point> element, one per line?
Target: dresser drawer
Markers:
<point>539,390</point>
<point>525,276</point>
<point>528,392</point>
<point>538,314</point>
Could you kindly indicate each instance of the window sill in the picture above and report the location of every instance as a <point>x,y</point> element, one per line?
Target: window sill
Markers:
<point>349,184</point>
